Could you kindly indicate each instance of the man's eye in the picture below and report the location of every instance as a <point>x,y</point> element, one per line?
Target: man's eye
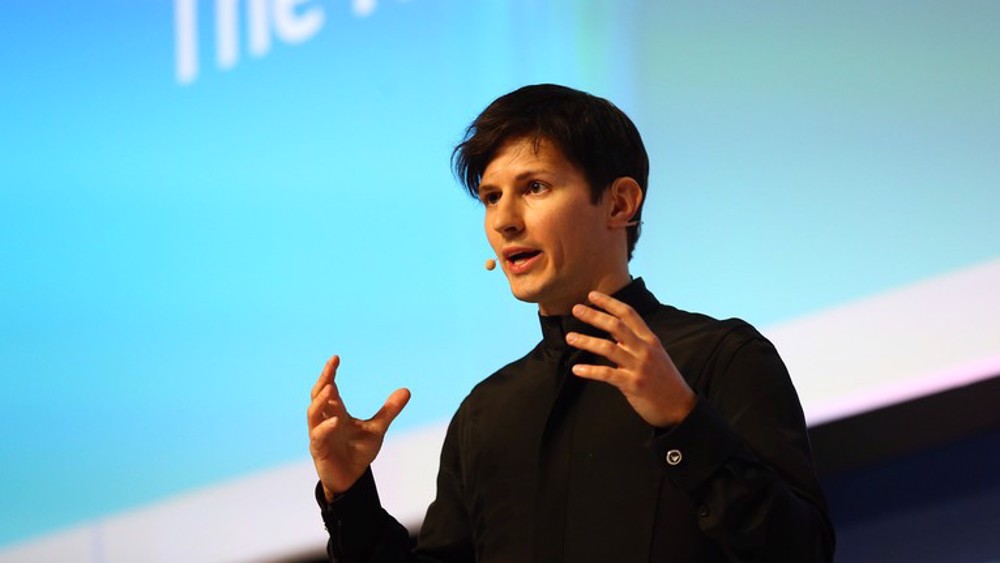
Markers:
<point>536,187</point>
<point>489,198</point>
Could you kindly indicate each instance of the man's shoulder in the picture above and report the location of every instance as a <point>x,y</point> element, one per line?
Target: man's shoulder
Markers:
<point>673,325</point>
<point>696,341</point>
<point>677,325</point>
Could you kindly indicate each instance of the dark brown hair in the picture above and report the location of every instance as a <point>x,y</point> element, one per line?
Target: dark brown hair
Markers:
<point>592,134</point>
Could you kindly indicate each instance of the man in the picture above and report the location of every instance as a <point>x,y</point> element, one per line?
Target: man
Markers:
<point>633,432</point>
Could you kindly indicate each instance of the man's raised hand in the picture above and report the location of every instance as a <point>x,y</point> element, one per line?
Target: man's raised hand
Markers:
<point>342,446</point>
<point>642,371</point>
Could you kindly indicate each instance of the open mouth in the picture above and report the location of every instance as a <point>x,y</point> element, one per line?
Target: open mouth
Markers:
<point>521,257</point>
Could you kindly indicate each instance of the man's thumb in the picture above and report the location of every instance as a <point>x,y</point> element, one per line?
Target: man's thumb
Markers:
<point>392,407</point>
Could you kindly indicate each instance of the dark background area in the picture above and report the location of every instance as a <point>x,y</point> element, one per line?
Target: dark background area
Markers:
<point>918,481</point>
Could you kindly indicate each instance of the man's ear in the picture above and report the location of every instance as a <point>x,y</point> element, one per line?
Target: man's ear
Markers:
<point>624,198</point>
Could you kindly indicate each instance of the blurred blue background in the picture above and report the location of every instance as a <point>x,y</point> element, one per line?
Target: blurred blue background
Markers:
<point>183,249</point>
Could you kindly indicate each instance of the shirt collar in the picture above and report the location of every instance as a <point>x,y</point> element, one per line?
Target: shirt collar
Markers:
<point>555,327</point>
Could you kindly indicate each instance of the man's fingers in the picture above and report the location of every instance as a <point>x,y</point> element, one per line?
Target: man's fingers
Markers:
<point>616,327</point>
<point>319,403</point>
<point>597,373</point>
<point>600,346</point>
<point>327,375</point>
<point>391,409</point>
<point>621,311</point>
<point>320,432</point>
<point>324,405</point>
<point>320,444</point>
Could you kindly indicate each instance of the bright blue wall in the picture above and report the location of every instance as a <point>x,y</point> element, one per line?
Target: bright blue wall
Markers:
<point>178,260</point>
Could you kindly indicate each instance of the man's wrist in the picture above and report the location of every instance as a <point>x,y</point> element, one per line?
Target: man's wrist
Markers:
<point>679,409</point>
<point>687,404</point>
<point>328,494</point>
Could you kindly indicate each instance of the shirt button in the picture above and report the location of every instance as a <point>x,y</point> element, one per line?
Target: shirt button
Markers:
<point>674,457</point>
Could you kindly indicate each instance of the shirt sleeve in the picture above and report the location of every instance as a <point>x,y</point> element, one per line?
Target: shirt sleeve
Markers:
<point>743,456</point>
<point>362,531</point>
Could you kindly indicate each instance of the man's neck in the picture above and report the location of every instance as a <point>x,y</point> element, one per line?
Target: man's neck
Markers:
<point>608,285</point>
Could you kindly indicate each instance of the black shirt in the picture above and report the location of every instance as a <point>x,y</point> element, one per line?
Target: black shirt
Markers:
<point>540,465</point>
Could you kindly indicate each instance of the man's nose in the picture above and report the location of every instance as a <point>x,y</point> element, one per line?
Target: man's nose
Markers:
<point>507,218</point>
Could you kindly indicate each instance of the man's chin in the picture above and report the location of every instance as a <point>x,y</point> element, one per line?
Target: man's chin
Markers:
<point>526,296</point>
<point>525,292</point>
<point>548,304</point>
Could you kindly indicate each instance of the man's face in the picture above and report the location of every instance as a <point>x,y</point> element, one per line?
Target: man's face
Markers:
<point>553,243</point>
